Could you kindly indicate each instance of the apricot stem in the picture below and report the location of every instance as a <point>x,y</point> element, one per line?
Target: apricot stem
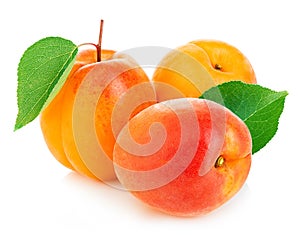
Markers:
<point>99,42</point>
<point>220,162</point>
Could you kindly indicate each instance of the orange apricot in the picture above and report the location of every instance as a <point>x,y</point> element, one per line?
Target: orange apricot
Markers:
<point>50,118</point>
<point>94,110</point>
<point>191,69</point>
<point>79,125</point>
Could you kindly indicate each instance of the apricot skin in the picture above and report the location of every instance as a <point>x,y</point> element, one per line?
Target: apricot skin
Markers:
<point>191,69</point>
<point>90,158</point>
<point>188,193</point>
<point>57,120</point>
<point>50,118</point>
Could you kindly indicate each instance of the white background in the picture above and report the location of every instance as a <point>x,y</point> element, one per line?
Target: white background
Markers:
<point>39,196</point>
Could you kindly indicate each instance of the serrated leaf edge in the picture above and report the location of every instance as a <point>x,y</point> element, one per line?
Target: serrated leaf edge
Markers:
<point>20,123</point>
<point>281,94</point>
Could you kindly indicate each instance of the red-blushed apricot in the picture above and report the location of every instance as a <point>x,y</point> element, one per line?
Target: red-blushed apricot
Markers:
<point>92,95</point>
<point>50,118</point>
<point>184,157</point>
<point>78,125</point>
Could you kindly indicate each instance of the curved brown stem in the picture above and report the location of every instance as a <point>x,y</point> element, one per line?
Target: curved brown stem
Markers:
<point>99,41</point>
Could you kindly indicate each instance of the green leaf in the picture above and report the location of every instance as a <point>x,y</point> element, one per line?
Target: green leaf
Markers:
<point>259,107</point>
<point>42,71</point>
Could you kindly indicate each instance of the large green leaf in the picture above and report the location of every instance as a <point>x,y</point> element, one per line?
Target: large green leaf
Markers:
<point>42,71</point>
<point>259,107</point>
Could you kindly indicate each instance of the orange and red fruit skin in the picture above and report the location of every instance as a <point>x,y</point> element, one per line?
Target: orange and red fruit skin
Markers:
<point>190,193</point>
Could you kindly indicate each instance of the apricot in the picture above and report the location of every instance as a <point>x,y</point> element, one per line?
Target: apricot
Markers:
<point>191,69</point>
<point>184,156</point>
<point>78,124</point>
<point>50,118</point>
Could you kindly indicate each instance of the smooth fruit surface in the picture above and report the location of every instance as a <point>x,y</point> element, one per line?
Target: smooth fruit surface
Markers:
<point>50,118</point>
<point>83,134</point>
<point>191,69</point>
<point>184,156</point>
